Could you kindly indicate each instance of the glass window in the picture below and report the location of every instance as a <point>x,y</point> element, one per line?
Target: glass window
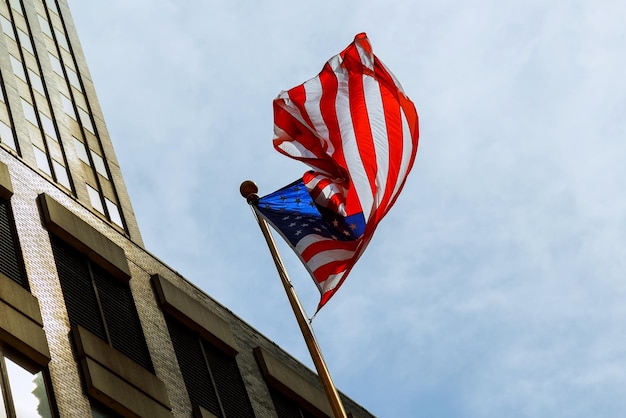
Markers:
<point>48,126</point>
<point>56,64</point>
<point>7,27</point>
<point>114,213</point>
<point>25,41</point>
<point>61,39</point>
<point>81,151</point>
<point>18,68</point>
<point>86,120</point>
<point>29,112</point>
<point>45,27</point>
<point>61,174</point>
<point>73,77</point>
<point>52,5</point>
<point>3,410</point>
<point>99,163</point>
<point>6,135</point>
<point>42,161</point>
<point>27,391</point>
<point>68,107</point>
<point>15,4</point>
<point>35,81</point>
<point>94,197</point>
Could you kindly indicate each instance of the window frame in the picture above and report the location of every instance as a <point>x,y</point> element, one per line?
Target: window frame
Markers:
<point>8,390</point>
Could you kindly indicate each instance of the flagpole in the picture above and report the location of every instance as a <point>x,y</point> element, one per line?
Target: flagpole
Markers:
<point>249,191</point>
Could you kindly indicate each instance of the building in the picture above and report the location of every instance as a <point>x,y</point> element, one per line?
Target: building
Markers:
<point>91,324</point>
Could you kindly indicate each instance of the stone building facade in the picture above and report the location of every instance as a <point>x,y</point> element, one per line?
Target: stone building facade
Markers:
<point>91,324</point>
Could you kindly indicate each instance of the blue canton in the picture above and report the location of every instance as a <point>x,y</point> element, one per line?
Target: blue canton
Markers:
<point>293,212</point>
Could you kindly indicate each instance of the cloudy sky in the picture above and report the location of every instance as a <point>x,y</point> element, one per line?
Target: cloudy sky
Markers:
<point>496,286</point>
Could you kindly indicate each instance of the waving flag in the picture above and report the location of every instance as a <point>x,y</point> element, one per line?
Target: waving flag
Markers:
<point>356,129</point>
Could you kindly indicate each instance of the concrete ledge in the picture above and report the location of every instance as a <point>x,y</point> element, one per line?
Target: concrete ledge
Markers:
<point>117,394</point>
<point>284,379</point>
<point>194,315</point>
<point>20,299</point>
<point>121,368</point>
<point>6,187</point>
<point>21,326</point>
<point>62,222</point>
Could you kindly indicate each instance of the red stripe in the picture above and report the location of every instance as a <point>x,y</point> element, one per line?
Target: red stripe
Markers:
<point>329,244</point>
<point>324,272</point>
<point>362,128</point>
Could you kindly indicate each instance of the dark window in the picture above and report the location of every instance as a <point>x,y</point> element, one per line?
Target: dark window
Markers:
<point>212,378</point>
<point>287,407</point>
<point>100,411</point>
<point>11,264</point>
<point>99,302</point>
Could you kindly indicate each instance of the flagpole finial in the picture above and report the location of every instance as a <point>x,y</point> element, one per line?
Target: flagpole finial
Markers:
<point>249,190</point>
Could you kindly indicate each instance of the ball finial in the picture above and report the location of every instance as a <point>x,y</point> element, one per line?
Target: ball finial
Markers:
<point>248,189</point>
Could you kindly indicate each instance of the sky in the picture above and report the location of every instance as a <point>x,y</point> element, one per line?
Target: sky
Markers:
<point>495,286</point>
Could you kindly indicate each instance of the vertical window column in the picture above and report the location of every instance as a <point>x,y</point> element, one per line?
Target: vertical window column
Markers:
<point>100,187</point>
<point>44,134</point>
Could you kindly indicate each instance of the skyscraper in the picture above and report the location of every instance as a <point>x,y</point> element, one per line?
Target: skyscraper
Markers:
<point>91,324</point>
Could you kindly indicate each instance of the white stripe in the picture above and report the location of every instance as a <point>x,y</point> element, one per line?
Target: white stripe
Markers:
<point>313,89</point>
<point>316,261</point>
<point>407,152</point>
<point>295,148</point>
<point>330,256</point>
<point>330,283</point>
<point>309,240</point>
<point>376,115</point>
<point>366,58</point>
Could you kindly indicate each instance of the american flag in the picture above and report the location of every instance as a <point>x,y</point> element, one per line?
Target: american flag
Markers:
<point>358,131</point>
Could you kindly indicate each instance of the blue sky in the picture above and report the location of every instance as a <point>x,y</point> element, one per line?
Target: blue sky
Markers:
<point>495,287</point>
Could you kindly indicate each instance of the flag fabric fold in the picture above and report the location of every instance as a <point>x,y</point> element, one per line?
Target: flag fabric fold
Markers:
<point>358,131</point>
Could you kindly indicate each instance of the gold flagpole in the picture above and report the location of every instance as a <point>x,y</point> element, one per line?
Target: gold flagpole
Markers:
<point>249,191</point>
